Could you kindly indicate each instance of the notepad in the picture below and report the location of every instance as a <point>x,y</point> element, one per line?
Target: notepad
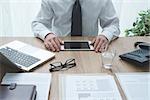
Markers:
<point>136,86</point>
<point>41,80</point>
<point>88,87</point>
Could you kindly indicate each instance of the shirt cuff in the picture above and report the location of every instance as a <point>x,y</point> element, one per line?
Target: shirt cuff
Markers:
<point>43,34</point>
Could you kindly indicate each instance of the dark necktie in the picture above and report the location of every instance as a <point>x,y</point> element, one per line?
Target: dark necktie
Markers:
<point>76,28</point>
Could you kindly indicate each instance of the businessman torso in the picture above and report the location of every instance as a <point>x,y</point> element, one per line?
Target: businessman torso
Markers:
<point>55,17</point>
<point>63,12</point>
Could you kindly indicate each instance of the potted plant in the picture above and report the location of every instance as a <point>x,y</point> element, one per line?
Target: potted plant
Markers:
<point>142,25</point>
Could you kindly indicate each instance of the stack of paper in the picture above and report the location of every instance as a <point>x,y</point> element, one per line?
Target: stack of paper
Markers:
<point>41,80</point>
<point>136,86</point>
<point>88,87</point>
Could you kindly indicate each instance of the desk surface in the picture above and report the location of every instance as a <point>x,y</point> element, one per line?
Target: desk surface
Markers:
<point>87,61</point>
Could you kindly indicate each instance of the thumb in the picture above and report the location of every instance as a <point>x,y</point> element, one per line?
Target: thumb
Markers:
<point>61,42</point>
<point>93,41</point>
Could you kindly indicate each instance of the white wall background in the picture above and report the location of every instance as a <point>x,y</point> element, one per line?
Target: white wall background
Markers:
<point>16,15</point>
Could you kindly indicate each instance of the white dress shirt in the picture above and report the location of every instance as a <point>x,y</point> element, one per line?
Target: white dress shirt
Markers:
<point>55,17</point>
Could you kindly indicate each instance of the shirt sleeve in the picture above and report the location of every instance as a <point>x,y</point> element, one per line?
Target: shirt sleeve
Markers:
<point>42,25</point>
<point>109,21</point>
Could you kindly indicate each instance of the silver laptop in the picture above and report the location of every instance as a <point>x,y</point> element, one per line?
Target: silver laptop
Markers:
<point>23,56</point>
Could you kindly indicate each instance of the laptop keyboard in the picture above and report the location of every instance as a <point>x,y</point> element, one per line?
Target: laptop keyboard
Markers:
<point>18,57</point>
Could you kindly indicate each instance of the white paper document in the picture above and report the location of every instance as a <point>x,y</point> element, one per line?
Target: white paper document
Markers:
<point>88,87</point>
<point>136,86</point>
<point>41,80</point>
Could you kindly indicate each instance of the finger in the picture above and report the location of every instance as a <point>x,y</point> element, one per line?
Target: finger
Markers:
<point>107,44</point>
<point>57,42</point>
<point>103,47</point>
<point>99,45</point>
<point>96,43</point>
<point>47,46</point>
<point>93,41</point>
<point>54,45</point>
<point>51,46</point>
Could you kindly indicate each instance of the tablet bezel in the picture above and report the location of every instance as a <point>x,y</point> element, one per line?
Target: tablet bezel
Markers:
<point>89,43</point>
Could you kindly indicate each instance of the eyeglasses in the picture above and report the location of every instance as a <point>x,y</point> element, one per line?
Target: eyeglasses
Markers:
<point>58,66</point>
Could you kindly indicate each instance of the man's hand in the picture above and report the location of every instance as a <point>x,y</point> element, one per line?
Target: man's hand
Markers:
<point>100,43</point>
<point>52,42</point>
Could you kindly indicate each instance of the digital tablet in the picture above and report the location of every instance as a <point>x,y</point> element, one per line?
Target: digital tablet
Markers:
<point>77,45</point>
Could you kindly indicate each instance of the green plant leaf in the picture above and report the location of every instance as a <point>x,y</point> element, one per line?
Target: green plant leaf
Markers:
<point>141,26</point>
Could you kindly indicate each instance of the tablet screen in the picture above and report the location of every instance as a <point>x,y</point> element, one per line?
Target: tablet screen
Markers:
<point>76,45</point>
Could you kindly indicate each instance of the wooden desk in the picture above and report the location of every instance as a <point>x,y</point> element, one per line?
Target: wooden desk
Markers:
<point>87,61</point>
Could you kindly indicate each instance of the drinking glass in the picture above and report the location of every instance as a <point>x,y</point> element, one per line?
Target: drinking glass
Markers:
<point>108,58</point>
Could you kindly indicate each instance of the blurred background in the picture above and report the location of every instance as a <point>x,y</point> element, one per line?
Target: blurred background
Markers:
<point>16,15</point>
